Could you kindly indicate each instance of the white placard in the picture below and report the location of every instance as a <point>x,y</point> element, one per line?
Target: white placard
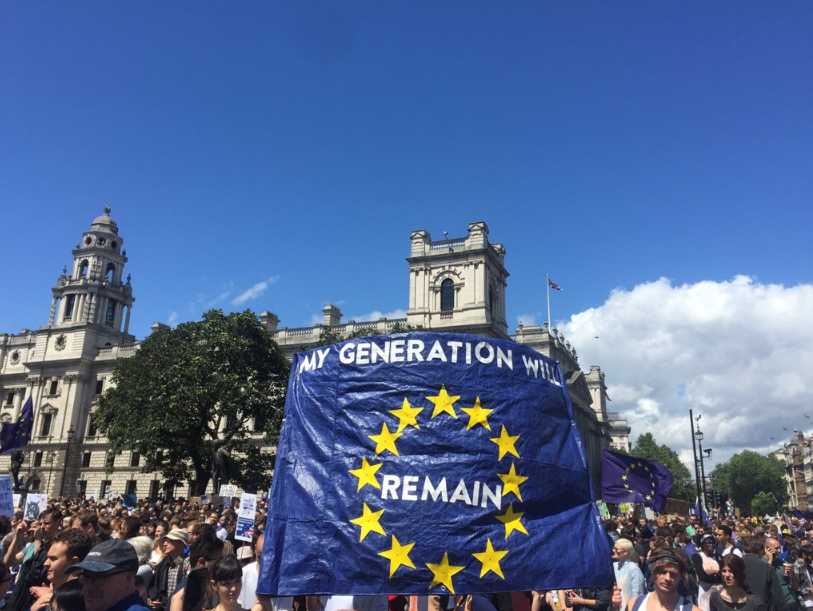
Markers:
<point>35,504</point>
<point>17,498</point>
<point>245,517</point>
<point>6,496</point>
<point>228,491</point>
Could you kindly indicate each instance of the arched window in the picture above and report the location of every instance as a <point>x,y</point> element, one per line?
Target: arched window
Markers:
<point>83,269</point>
<point>111,270</point>
<point>447,295</point>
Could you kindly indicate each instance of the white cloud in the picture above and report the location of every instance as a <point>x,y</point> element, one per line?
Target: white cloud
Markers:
<point>376,314</point>
<point>255,291</point>
<point>737,352</point>
<point>172,318</point>
<point>528,319</point>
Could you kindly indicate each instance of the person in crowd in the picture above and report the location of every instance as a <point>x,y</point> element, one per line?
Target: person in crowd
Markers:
<point>68,597</point>
<point>68,548</point>
<point>735,595</point>
<point>214,520</point>
<point>159,532</point>
<point>588,599</point>
<point>783,570</point>
<point>760,577</point>
<point>203,553</point>
<point>129,528</point>
<point>32,571</point>
<point>667,571</point>
<point>88,520</point>
<point>143,546</point>
<point>108,578</point>
<point>706,564</point>
<point>725,545</point>
<point>225,580</point>
<point>804,575</point>
<point>170,571</point>
<point>628,575</point>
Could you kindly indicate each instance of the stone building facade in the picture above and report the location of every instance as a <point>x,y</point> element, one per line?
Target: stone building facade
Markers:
<point>455,285</point>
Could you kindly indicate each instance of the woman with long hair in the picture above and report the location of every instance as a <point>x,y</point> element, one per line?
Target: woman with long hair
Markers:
<point>735,595</point>
<point>226,580</point>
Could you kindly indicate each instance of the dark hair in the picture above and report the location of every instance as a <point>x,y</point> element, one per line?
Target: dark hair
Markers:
<point>204,547</point>
<point>736,565</point>
<point>726,530</point>
<point>129,527</point>
<point>754,545</point>
<point>68,596</point>
<point>806,550</point>
<point>227,568</point>
<point>51,512</point>
<point>204,529</point>
<point>78,542</point>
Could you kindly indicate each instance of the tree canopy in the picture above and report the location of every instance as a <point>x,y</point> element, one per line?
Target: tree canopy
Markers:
<point>746,475</point>
<point>646,447</point>
<point>194,389</point>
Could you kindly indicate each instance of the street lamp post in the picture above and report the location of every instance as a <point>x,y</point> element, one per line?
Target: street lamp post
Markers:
<point>694,449</point>
<point>707,452</point>
<point>49,457</point>
<point>71,433</point>
<point>699,435</point>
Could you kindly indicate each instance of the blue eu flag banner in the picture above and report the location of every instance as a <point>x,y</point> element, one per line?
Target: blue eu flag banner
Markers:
<point>429,463</point>
<point>629,479</point>
<point>15,435</point>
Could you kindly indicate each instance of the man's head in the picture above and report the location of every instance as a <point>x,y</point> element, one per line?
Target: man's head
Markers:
<point>772,549</point>
<point>108,574</point>
<point>67,548</point>
<point>50,522</point>
<point>174,542</point>
<point>667,569</point>
<point>723,534</point>
<point>213,518</point>
<point>205,551</point>
<point>87,520</point>
<point>258,547</point>
<point>806,553</point>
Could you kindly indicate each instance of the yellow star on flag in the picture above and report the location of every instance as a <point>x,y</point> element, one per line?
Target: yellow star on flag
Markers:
<point>443,403</point>
<point>442,573</point>
<point>626,485</point>
<point>406,415</point>
<point>623,478</point>
<point>648,497</point>
<point>491,560</point>
<point>512,521</point>
<point>511,482</point>
<point>366,474</point>
<point>386,440</point>
<point>477,415</point>
<point>369,522</point>
<point>398,555</point>
<point>506,443</point>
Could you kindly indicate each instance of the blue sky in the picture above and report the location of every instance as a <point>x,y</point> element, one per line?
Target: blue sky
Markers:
<point>298,145</point>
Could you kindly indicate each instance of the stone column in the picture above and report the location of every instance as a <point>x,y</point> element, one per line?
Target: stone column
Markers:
<point>18,401</point>
<point>127,319</point>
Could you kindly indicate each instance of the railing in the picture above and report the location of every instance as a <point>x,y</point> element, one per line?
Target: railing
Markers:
<point>448,245</point>
<point>311,334</point>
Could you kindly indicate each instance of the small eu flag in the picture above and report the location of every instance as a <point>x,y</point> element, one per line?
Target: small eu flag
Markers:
<point>429,463</point>
<point>629,479</point>
<point>14,435</point>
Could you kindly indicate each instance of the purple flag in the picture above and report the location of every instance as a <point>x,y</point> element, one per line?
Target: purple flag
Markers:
<point>629,479</point>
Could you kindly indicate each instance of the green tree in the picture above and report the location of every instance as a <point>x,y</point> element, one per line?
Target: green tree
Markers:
<point>646,447</point>
<point>764,503</point>
<point>331,336</point>
<point>749,473</point>
<point>194,389</point>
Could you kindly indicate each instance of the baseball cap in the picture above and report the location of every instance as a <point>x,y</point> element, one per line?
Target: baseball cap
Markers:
<point>176,534</point>
<point>108,555</point>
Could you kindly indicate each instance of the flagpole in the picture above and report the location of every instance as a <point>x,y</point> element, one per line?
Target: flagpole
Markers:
<point>547,289</point>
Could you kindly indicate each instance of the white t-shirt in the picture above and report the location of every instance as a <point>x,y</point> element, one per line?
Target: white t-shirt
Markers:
<point>248,595</point>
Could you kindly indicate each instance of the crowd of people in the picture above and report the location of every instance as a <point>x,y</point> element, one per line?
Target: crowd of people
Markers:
<point>183,556</point>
